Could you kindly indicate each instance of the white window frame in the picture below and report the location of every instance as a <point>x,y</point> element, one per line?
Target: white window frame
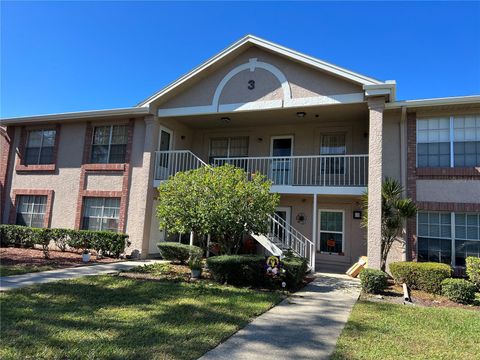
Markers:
<point>30,212</point>
<point>451,138</point>
<point>109,140</point>
<point>41,143</point>
<point>167,130</point>
<point>319,230</point>
<point>279,137</point>
<point>452,231</point>
<point>103,211</point>
<point>229,141</point>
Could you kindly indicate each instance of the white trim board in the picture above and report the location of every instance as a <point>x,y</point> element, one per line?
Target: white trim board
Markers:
<point>263,105</point>
<point>250,40</point>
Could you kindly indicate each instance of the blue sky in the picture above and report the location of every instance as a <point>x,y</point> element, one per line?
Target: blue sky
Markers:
<point>72,56</point>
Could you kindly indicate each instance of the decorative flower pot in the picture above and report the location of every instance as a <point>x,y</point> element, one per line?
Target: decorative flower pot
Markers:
<point>86,257</point>
<point>196,273</point>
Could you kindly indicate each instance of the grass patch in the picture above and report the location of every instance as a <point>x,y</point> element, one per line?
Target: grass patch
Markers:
<point>106,317</point>
<point>389,331</point>
<point>9,270</point>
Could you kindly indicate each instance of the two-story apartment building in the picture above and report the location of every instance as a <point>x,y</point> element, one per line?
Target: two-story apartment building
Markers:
<point>321,133</point>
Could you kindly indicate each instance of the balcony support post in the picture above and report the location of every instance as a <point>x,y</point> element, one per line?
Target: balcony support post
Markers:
<point>314,229</point>
<point>376,106</point>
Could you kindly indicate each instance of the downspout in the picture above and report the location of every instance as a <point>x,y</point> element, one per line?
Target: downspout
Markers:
<point>403,169</point>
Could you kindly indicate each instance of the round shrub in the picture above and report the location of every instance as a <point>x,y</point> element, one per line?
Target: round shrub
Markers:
<point>473,270</point>
<point>459,290</point>
<point>426,276</point>
<point>373,281</point>
<point>295,269</point>
<point>241,270</point>
<point>174,251</point>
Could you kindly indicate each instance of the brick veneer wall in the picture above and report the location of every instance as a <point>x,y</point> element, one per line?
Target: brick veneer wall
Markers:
<point>6,145</point>
<point>124,169</point>
<point>20,166</point>
<point>414,174</point>
<point>48,209</point>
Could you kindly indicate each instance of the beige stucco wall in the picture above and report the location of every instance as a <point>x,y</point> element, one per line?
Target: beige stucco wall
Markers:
<point>65,181</point>
<point>304,82</point>
<point>307,136</point>
<point>102,181</point>
<point>392,149</point>
<point>355,244</point>
<point>456,191</point>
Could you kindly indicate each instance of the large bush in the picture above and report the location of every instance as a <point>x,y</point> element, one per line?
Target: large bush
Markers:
<point>107,242</point>
<point>373,281</point>
<point>223,201</point>
<point>473,270</point>
<point>421,275</point>
<point>174,251</point>
<point>241,270</point>
<point>459,290</point>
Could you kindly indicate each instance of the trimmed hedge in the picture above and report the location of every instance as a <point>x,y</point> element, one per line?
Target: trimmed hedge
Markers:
<point>249,270</point>
<point>373,281</point>
<point>240,270</point>
<point>295,269</point>
<point>174,251</point>
<point>109,243</point>
<point>426,276</point>
<point>459,290</point>
<point>473,270</point>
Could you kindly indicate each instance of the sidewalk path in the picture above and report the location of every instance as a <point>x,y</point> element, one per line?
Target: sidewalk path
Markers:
<point>18,281</point>
<point>304,326</point>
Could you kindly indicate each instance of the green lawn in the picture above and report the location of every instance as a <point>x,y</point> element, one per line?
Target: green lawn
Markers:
<point>389,331</point>
<point>8,270</point>
<point>106,317</point>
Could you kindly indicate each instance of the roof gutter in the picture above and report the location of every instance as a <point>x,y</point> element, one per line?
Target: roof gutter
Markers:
<point>457,100</point>
<point>76,115</point>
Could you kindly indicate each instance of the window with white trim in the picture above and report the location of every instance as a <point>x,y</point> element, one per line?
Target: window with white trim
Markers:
<point>101,213</point>
<point>331,231</point>
<point>31,210</point>
<point>228,147</point>
<point>109,145</point>
<point>39,147</point>
<point>449,141</point>
<point>333,144</point>
<point>448,237</point>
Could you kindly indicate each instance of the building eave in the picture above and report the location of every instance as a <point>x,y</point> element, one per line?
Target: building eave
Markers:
<point>454,100</point>
<point>133,111</point>
<point>275,48</point>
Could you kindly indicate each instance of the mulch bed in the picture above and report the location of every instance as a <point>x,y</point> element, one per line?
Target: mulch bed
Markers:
<point>394,294</point>
<point>58,259</point>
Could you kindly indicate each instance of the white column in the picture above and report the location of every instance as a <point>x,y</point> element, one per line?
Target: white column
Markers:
<point>314,229</point>
<point>375,177</point>
<point>191,237</point>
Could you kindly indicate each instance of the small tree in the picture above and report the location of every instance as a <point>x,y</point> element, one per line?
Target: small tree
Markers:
<point>395,211</point>
<point>221,201</point>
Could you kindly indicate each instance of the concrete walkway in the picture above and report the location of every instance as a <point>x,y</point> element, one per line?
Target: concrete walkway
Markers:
<point>304,326</point>
<point>18,281</point>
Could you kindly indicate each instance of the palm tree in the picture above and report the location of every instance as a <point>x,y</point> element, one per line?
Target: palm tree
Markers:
<point>395,211</point>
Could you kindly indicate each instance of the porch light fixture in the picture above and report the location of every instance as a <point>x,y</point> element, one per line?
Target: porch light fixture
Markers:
<point>225,120</point>
<point>301,114</point>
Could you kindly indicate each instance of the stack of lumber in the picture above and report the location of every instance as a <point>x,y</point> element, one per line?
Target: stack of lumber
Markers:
<point>357,267</point>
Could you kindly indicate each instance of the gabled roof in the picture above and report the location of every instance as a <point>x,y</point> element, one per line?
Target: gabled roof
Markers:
<point>251,40</point>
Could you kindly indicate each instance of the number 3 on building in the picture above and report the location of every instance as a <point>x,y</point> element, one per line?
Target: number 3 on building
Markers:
<point>251,84</point>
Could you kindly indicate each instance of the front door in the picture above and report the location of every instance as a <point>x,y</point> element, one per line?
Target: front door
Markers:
<point>164,145</point>
<point>284,213</point>
<point>280,169</point>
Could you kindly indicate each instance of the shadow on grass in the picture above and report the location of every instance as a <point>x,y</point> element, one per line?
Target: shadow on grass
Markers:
<point>106,317</point>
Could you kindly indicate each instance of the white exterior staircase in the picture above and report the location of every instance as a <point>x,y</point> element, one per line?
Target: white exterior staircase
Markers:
<point>281,237</point>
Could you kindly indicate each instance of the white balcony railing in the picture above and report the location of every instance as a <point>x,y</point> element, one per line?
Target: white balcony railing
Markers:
<point>316,170</point>
<point>168,163</point>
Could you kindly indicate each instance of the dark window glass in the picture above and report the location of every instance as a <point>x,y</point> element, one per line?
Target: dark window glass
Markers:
<point>101,213</point>
<point>39,147</point>
<point>109,144</point>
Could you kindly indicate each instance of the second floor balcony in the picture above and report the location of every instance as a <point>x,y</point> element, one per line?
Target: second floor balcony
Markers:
<point>329,174</point>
